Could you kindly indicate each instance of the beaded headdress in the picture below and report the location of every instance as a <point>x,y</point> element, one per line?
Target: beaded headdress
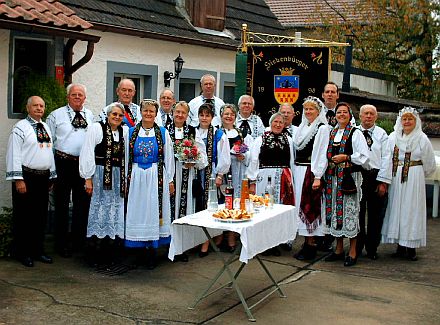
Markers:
<point>315,100</point>
<point>408,110</point>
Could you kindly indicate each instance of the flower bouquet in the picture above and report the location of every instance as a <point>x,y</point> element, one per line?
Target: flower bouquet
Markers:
<point>186,151</point>
<point>239,147</point>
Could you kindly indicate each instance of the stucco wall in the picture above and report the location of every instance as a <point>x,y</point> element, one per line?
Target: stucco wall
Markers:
<point>128,49</point>
<point>371,85</point>
<point>6,124</point>
<point>118,48</point>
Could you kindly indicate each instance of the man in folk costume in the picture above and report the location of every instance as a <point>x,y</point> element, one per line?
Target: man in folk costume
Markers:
<point>247,121</point>
<point>126,91</point>
<point>165,115</point>
<point>183,202</point>
<point>289,113</point>
<point>208,85</point>
<point>68,125</point>
<point>374,183</point>
<point>30,166</point>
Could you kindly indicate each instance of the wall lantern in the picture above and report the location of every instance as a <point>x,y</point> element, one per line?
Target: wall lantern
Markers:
<point>167,76</point>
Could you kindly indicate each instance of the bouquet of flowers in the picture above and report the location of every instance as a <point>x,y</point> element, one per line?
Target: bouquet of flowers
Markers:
<point>186,151</point>
<point>239,147</point>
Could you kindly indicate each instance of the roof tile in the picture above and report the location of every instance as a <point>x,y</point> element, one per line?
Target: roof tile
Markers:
<point>42,12</point>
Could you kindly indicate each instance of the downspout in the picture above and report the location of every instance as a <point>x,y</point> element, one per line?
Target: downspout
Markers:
<point>68,59</point>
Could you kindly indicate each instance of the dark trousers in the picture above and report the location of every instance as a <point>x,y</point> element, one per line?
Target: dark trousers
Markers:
<point>376,207</point>
<point>30,215</point>
<point>68,181</point>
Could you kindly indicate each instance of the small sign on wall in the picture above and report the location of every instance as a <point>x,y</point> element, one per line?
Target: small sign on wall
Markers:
<point>59,74</point>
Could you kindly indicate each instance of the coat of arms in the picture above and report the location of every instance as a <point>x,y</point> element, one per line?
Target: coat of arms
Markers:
<point>286,86</point>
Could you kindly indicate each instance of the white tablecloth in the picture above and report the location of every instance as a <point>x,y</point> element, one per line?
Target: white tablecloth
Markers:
<point>266,229</point>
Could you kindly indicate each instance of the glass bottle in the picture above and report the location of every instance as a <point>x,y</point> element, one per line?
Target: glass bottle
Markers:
<point>212,195</point>
<point>229,194</point>
<point>268,192</point>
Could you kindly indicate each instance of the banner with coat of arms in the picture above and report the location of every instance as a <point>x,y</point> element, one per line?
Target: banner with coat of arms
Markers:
<point>277,75</point>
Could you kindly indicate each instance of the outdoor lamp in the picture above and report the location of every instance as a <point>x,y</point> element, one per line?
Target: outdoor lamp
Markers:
<point>167,76</point>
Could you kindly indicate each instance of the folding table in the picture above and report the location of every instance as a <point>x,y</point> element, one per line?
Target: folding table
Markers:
<point>268,228</point>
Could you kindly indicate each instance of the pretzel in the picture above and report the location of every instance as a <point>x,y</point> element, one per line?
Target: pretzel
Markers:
<point>231,214</point>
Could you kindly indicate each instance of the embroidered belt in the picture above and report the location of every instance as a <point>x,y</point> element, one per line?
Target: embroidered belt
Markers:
<point>36,171</point>
<point>66,156</point>
<point>412,163</point>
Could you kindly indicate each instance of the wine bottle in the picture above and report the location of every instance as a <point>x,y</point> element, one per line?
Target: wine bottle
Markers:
<point>229,194</point>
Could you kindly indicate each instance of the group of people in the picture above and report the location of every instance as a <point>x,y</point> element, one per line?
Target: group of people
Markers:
<point>134,169</point>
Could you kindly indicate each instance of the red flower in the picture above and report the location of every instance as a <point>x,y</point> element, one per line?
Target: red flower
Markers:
<point>194,151</point>
<point>177,141</point>
<point>187,143</point>
<point>186,152</point>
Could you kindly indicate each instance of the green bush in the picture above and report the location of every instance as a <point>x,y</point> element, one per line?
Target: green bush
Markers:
<point>5,231</point>
<point>34,84</point>
<point>386,124</point>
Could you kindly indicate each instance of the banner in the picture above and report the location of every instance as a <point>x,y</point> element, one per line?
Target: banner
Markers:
<point>277,75</point>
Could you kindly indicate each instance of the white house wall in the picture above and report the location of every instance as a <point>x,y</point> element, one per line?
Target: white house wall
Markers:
<point>130,49</point>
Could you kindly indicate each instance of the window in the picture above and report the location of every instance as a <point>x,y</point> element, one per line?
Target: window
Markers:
<point>144,77</point>
<point>30,56</point>
<point>188,89</point>
<point>227,88</point>
<point>207,13</point>
<point>229,93</point>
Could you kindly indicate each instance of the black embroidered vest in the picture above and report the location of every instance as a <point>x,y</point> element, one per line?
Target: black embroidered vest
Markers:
<point>348,150</point>
<point>275,151</point>
<point>101,148</point>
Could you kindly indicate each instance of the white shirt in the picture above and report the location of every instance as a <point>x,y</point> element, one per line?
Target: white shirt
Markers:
<point>65,137</point>
<point>360,147</point>
<point>25,150</point>
<point>223,153</point>
<point>87,164</point>
<point>379,155</point>
<point>161,117</point>
<point>255,123</point>
<point>195,103</point>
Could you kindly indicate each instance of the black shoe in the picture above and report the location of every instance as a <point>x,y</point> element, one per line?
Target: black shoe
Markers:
<point>372,256</point>
<point>286,247</point>
<point>307,252</point>
<point>350,261</point>
<point>324,247</point>
<point>400,252</point>
<point>203,254</point>
<point>44,259</point>
<point>27,261</point>
<point>228,249</point>
<point>181,258</point>
<point>411,254</point>
<point>335,257</point>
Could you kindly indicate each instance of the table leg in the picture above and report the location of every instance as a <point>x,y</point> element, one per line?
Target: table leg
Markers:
<point>233,278</point>
<point>271,277</point>
<point>435,197</point>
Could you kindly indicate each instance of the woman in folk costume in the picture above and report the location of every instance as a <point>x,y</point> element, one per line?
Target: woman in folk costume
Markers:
<point>239,158</point>
<point>239,154</point>
<point>413,160</point>
<point>219,159</point>
<point>102,165</point>
<point>150,175</point>
<point>186,163</point>
<point>310,143</point>
<point>272,157</point>
<point>347,151</point>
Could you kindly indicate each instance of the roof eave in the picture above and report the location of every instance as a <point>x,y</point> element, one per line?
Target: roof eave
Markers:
<point>160,36</point>
<point>48,30</point>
